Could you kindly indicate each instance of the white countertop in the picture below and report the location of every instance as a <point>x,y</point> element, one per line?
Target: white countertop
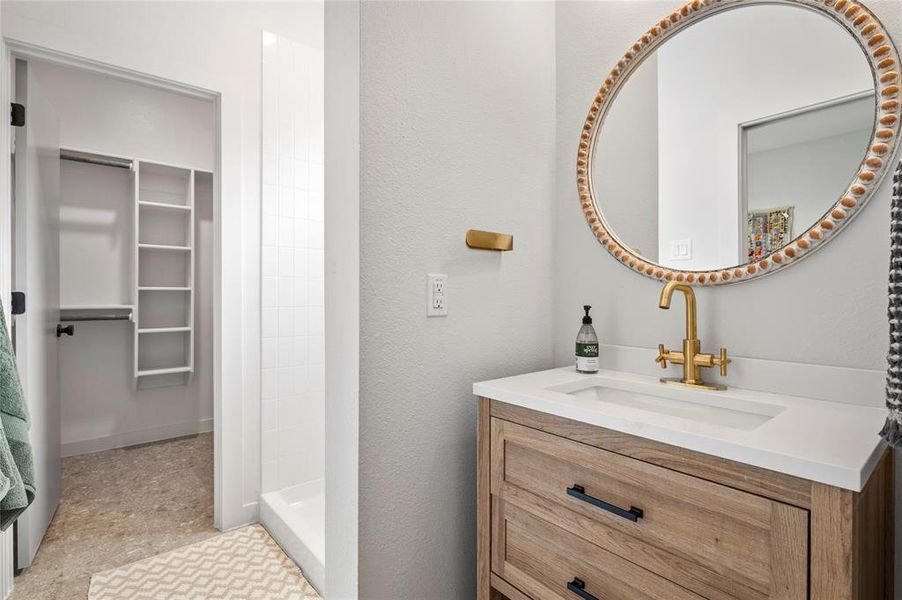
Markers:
<point>828,442</point>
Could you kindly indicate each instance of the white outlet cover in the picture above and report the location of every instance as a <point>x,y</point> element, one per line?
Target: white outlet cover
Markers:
<point>436,295</point>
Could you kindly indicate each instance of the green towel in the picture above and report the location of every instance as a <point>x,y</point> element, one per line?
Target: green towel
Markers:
<point>16,461</point>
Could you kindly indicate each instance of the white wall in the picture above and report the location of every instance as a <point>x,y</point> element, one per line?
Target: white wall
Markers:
<point>769,59</point>
<point>216,47</point>
<point>456,126</point>
<point>829,309</point>
<point>342,279</point>
<point>293,412</point>
<point>96,240</point>
<point>122,118</point>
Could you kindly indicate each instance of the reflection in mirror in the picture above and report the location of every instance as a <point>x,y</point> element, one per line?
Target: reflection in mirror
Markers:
<point>794,163</point>
<point>734,136</point>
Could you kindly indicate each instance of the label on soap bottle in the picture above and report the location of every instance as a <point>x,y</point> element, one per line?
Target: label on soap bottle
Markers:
<point>587,357</point>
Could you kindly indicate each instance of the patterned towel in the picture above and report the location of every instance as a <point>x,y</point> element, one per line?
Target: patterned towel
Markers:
<point>892,430</point>
<point>16,462</point>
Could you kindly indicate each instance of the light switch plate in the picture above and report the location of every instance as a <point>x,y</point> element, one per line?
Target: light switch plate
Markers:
<point>680,249</point>
<point>436,295</point>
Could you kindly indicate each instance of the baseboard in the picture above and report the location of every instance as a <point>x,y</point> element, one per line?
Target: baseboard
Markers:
<point>133,438</point>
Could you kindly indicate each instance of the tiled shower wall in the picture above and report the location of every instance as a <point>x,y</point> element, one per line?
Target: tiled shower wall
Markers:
<point>292,416</point>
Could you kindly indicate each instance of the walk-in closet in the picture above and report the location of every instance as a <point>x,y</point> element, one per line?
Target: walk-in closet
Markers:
<point>145,300</point>
<point>130,337</point>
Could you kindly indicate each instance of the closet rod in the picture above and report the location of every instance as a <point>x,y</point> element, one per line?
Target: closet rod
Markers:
<point>98,318</point>
<point>106,161</point>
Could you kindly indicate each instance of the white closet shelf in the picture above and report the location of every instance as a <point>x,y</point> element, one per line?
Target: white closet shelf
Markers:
<point>163,329</point>
<point>164,247</point>
<point>165,371</point>
<point>164,205</point>
<point>150,190</point>
<point>160,190</point>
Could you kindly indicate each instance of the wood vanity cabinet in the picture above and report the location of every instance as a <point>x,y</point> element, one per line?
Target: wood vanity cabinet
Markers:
<point>570,511</point>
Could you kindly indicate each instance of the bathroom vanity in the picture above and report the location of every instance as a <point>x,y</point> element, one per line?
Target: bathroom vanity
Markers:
<point>615,486</point>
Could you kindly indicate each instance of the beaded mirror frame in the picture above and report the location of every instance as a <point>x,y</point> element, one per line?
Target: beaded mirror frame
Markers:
<point>883,58</point>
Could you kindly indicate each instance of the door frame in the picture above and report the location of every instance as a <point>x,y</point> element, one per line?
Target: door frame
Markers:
<point>230,510</point>
<point>36,330</point>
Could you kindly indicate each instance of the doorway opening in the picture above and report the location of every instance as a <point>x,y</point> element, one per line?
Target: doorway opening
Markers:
<point>114,214</point>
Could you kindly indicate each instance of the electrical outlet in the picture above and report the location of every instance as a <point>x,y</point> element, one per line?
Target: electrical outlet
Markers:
<point>436,295</point>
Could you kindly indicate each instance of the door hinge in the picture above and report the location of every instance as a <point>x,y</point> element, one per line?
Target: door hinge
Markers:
<point>17,114</point>
<point>17,307</point>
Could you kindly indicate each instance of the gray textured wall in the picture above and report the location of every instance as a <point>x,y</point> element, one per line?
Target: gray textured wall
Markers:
<point>457,132</point>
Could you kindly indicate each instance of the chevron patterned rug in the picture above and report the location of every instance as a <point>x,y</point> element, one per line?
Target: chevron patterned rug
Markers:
<point>243,564</point>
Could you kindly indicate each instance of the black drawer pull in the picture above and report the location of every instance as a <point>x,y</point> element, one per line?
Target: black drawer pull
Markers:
<point>579,492</point>
<point>578,587</point>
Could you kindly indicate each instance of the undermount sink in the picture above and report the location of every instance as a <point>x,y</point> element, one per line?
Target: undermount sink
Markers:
<point>717,408</point>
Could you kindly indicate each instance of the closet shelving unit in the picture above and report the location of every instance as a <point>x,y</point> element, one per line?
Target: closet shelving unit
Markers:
<point>164,257</point>
<point>164,269</point>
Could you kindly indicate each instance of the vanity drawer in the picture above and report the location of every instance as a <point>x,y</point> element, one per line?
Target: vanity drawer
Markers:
<point>540,560</point>
<point>717,541</point>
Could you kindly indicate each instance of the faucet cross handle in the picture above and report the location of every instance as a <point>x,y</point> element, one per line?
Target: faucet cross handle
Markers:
<point>723,361</point>
<point>662,356</point>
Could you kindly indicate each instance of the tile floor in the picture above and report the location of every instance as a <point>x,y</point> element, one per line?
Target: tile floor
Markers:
<point>121,506</point>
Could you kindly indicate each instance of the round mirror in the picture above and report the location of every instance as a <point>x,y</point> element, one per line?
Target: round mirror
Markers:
<point>735,138</point>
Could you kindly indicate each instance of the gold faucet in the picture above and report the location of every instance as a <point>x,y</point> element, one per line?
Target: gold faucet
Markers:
<point>691,357</point>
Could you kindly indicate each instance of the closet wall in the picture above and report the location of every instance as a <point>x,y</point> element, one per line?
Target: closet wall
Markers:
<point>108,115</point>
<point>103,406</point>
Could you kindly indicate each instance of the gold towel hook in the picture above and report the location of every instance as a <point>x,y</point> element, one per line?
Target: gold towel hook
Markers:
<point>490,240</point>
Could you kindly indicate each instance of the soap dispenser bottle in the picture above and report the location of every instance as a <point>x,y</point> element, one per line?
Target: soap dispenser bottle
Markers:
<point>587,346</point>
